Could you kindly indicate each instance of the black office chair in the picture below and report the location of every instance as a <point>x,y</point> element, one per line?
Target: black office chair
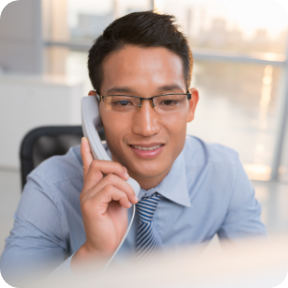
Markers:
<point>44,142</point>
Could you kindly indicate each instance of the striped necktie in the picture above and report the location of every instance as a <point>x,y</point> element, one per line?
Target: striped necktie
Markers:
<point>148,241</point>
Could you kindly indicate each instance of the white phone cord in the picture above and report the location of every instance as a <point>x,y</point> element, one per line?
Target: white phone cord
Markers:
<point>125,236</point>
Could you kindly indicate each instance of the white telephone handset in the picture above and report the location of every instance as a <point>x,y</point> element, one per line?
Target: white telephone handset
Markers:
<point>91,123</point>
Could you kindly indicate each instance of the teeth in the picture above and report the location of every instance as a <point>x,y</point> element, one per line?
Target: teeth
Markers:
<point>147,148</point>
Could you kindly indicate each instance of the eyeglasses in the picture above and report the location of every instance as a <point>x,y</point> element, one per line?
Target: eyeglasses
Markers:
<point>164,103</point>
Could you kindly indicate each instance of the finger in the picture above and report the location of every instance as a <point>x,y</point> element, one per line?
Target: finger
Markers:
<point>100,201</point>
<point>95,174</point>
<point>120,184</point>
<point>86,154</point>
<point>115,181</point>
<point>105,167</point>
<point>111,193</point>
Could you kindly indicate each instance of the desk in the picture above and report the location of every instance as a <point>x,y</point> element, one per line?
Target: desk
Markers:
<point>252,264</point>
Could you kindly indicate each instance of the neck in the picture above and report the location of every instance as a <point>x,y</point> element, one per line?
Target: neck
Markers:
<point>148,182</point>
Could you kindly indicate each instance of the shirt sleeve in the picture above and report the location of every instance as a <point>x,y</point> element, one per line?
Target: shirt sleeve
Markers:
<point>36,245</point>
<point>243,218</point>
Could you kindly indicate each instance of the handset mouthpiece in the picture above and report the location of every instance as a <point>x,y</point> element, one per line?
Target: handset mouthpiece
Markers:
<point>135,185</point>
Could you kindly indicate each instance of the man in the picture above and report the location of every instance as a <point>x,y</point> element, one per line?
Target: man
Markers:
<point>199,189</point>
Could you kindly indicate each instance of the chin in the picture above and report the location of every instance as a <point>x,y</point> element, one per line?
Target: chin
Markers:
<point>148,171</point>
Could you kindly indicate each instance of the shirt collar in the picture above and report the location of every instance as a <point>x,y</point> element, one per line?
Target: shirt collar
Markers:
<point>173,186</point>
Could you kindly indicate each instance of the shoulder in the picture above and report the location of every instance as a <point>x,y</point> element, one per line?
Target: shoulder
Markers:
<point>214,176</point>
<point>199,153</point>
<point>59,168</point>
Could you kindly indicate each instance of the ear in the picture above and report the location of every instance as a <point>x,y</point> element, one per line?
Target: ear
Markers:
<point>92,93</point>
<point>192,103</point>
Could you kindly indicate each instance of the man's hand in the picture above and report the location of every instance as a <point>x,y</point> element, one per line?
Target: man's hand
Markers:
<point>104,202</point>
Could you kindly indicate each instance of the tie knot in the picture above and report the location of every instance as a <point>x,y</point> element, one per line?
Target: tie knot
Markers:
<point>146,207</point>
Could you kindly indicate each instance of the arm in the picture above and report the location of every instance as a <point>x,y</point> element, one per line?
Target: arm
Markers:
<point>243,216</point>
<point>34,247</point>
<point>38,242</point>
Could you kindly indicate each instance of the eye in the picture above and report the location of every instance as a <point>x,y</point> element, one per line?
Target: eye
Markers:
<point>169,102</point>
<point>122,102</point>
<point>119,101</point>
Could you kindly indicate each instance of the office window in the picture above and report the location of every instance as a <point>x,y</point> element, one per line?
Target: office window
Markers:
<point>243,27</point>
<point>88,18</point>
<point>238,107</point>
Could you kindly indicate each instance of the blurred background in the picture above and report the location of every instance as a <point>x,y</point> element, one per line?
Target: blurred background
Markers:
<point>240,69</point>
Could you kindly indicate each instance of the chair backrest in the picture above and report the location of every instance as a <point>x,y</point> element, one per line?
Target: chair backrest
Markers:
<point>44,142</point>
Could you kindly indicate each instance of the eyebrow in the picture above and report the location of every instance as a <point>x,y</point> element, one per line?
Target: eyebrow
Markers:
<point>119,90</point>
<point>160,90</point>
<point>167,88</point>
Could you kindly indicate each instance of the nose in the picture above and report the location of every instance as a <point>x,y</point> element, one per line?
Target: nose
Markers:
<point>146,121</point>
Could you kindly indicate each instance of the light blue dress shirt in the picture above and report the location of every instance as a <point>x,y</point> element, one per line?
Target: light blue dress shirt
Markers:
<point>205,193</point>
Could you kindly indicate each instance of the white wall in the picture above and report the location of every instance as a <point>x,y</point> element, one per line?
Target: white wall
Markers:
<point>27,102</point>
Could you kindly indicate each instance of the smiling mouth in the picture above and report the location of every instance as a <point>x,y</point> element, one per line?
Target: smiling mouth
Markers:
<point>142,148</point>
<point>147,151</point>
<point>147,148</point>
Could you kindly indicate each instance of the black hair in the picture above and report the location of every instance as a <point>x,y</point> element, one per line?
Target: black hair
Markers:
<point>143,29</point>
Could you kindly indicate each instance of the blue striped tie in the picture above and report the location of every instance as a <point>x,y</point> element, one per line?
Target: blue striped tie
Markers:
<point>148,240</point>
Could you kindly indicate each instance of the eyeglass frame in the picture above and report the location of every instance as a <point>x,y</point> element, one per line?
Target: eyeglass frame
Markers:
<point>101,97</point>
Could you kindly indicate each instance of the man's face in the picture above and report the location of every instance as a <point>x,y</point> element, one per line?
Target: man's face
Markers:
<point>145,72</point>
